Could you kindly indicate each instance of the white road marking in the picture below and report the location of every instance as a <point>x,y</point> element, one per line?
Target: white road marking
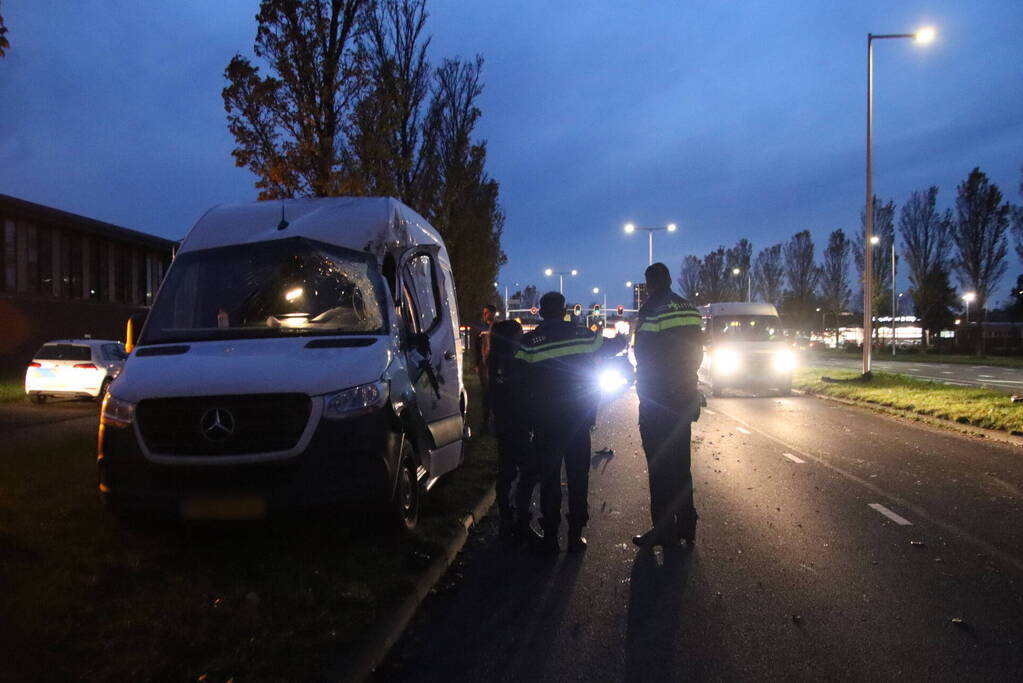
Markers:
<point>744,430</point>
<point>947,372</point>
<point>708,411</point>
<point>898,519</point>
<point>985,376</point>
<point>794,458</point>
<point>914,369</point>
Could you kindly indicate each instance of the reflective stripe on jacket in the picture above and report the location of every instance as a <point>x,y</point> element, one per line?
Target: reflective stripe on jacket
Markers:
<point>560,363</point>
<point>669,350</point>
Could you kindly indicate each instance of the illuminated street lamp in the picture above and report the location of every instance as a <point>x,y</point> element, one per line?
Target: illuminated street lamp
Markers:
<point>630,228</point>
<point>922,36</point>
<point>969,298</point>
<point>749,282</point>
<point>561,277</point>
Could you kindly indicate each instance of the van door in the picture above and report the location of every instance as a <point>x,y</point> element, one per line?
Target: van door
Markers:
<point>438,388</point>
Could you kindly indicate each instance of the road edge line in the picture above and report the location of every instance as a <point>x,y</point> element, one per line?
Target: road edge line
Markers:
<point>389,628</point>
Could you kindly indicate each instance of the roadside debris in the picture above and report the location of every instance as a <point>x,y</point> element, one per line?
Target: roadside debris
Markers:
<point>918,544</point>
<point>958,621</point>
<point>606,452</point>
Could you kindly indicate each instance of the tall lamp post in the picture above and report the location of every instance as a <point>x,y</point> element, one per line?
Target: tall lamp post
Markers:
<point>630,228</point>
<point>923,36</point>
<point>561,277</point>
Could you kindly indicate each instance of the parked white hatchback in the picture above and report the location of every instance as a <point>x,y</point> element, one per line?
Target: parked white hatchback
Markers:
<point>74,368</point>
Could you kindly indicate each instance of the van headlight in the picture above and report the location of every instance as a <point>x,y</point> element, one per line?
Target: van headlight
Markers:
<point>116,412</point>
<point>726,361</point>
<point>611,380</point>
<point>784,361</point>
<point>355,401</point>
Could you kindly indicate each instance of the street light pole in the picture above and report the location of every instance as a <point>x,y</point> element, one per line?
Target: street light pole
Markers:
<point>561,277</point>
<point>630,228</point>
<point>924,35</point>
<point>893,296</point>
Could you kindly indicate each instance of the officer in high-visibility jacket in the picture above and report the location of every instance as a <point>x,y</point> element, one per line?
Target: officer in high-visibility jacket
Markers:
<point>668,349</point>
<point>560,365</point>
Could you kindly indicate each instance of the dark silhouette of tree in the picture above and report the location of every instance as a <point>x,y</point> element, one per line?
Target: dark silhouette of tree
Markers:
<point>4,43</point>
<point>881,271</point>
<point>714,277</point>
<point>769,274</point>
<point>739,257</point>
<point>802,275</point>
<point>530,297</point>
<point>689,278</point>
<point>1017,221</point>
<point>834,277</point>
<point>979,234</point>
<point>290,127</point>
<point>926,240</point>
<point>941,300</point>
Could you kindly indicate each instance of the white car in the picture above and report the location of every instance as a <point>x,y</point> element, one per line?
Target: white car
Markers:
<point>74,368</point>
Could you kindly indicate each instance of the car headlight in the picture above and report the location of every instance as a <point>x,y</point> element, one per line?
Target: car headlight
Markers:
<point>116,412</point>
<point>611,380</point>
<point>726,361</point>
<point>784,361</point>
<point>355,401</point>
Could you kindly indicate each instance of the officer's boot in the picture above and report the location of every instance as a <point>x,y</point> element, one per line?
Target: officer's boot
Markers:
<point>576,540</point>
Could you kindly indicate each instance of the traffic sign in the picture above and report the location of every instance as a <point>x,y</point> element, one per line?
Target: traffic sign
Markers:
<point>534,310</point>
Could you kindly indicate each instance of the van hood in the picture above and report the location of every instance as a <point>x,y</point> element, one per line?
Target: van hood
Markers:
<point>249,366</point>
<point>753,347</point>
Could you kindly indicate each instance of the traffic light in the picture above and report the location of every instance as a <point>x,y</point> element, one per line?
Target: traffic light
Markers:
<point>596,309</point>
<point>578,310</point>
<point>621,309</point>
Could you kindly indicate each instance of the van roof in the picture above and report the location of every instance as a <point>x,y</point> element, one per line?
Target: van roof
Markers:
<point>739,308</point>
<point>370,224</point>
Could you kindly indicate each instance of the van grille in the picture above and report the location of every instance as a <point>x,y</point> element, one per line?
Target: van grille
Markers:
<point>223,425</point>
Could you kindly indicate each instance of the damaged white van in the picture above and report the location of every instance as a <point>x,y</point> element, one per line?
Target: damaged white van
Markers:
<point>299,352</point>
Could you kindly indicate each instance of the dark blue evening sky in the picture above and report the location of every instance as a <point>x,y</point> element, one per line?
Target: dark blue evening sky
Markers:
<point>731,119</point>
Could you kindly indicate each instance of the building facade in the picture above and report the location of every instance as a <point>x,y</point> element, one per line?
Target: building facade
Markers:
<point>68,276</point>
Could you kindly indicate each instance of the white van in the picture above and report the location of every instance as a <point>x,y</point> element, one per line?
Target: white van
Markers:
<point>299,352</point>
<point>745,348</point>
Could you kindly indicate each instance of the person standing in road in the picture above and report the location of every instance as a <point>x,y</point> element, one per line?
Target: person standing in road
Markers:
<point>669,350</point>
<point>481,353</point>
<point>511,427</point>
<point>560,362</point>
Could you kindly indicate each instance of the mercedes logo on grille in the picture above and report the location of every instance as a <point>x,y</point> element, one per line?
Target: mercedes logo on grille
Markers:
<point>217,424</point>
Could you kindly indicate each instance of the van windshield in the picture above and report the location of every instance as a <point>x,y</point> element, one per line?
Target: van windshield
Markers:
<point>745,328</point>
<point>279,288</point>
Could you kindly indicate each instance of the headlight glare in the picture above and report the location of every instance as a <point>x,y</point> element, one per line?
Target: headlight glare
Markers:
<point>726,361</point>
<point>355,401</point>
<point>116,412</point>
<point>611,380</point>
<point>784,361</point>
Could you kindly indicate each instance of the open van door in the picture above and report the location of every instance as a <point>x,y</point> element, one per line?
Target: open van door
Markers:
<point>432,356</point>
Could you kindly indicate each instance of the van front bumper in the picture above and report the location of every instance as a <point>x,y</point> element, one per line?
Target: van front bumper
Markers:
<point>346,460</point>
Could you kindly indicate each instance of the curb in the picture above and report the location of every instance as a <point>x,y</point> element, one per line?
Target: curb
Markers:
<point>930,420</point>
<point>390,627</point>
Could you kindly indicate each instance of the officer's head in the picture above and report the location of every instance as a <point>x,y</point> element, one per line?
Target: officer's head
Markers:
<point>552,306</point>
<point>489,313</point>
<point>504,338</point>
<point>658,279</point>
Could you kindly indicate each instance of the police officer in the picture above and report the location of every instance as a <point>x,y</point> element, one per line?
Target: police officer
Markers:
<point>668,349</point>
<point>560,362</point>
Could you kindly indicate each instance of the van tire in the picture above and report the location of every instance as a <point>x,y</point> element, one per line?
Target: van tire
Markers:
<point>407,497</point>
<point>716,391</point>
<point>38,398</point>
<point>785,389</point>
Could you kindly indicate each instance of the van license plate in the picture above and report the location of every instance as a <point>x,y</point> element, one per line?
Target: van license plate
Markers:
<point>235,507</point>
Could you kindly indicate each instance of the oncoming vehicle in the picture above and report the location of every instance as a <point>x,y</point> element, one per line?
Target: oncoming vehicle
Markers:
<point>74,368</point>
<point>299,353</point>
<point>745,348</point>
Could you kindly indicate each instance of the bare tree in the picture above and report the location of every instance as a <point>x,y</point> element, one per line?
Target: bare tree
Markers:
<point>4,44</point>
<point>713,277</point>
<point>689,278</point>
<point>979,233</point>
<point>834,277</point>
<point>769,274</point>
<point>1017,222</point>
<point>881,271</point>
<point>738,258</point>
<point>802,276</point>
<point>926,240</point>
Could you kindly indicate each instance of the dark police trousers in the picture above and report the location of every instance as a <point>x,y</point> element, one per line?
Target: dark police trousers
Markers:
<point>514,457</point>
<point>666,436</point>
<point>565,440</point>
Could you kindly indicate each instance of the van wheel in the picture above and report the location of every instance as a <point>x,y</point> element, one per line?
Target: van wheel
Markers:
<point>407,494</point>
<point>716,391</point>
<point>38,398</point>
<point>785,389</point>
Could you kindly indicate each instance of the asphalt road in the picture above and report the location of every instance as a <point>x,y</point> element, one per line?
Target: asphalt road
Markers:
<point>833,544</point>
<point>1005,379</point>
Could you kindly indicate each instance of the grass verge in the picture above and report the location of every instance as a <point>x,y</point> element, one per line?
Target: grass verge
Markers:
<point>965,405</point>
<point>917,357</point>
<point>87,598</point>
<point>12,389</point>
